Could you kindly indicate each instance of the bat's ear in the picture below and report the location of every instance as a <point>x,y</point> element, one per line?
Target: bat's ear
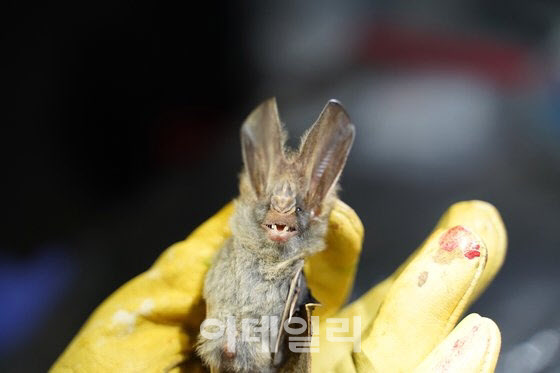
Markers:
<point>262,143</point>
<point>324,151</point>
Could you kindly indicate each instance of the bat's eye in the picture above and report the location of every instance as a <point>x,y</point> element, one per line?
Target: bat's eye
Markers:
<point>298,209</point>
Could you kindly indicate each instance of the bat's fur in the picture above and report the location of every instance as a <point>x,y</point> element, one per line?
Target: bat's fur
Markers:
<point>250,276</point>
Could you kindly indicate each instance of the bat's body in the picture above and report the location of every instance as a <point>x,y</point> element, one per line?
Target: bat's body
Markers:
<point>251,290</point>
<point>280,218</point>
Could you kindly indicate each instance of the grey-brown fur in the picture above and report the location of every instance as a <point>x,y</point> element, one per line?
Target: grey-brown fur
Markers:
<point>280,218</point>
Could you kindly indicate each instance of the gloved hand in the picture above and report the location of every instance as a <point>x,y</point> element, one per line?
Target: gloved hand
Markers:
<point>407,321</point>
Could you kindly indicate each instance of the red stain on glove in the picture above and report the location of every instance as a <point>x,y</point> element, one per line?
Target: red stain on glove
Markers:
<point>460,238</point>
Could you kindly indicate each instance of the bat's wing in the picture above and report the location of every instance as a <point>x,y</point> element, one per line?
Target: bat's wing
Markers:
<point>299,303</point>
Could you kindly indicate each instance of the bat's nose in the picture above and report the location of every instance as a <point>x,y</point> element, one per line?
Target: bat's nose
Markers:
<point>283,198</point>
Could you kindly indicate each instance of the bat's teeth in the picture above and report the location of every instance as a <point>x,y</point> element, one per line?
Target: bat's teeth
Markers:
<point>286,228</point>
<point>274,226</point>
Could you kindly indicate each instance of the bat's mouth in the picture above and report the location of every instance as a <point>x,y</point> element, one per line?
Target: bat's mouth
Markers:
<point>280,232</point>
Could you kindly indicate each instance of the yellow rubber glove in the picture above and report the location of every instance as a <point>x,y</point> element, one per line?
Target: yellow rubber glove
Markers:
<point>408,320</point>
<point>150,323</point>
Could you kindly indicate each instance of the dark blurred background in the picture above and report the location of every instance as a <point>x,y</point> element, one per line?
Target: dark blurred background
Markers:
<point>120,135</point>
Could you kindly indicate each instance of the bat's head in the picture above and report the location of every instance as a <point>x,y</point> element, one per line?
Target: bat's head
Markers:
<point>286,195</point>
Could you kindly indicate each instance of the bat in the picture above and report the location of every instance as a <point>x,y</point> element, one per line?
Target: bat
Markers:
<point>255,284</point>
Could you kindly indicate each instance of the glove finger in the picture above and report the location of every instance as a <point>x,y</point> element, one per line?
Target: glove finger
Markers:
<point>473,346</point>
<point>489,226</point>
<point>425,301</point>
<point>330,273</point>
<point>485,220</point>
<point>145,324</point>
